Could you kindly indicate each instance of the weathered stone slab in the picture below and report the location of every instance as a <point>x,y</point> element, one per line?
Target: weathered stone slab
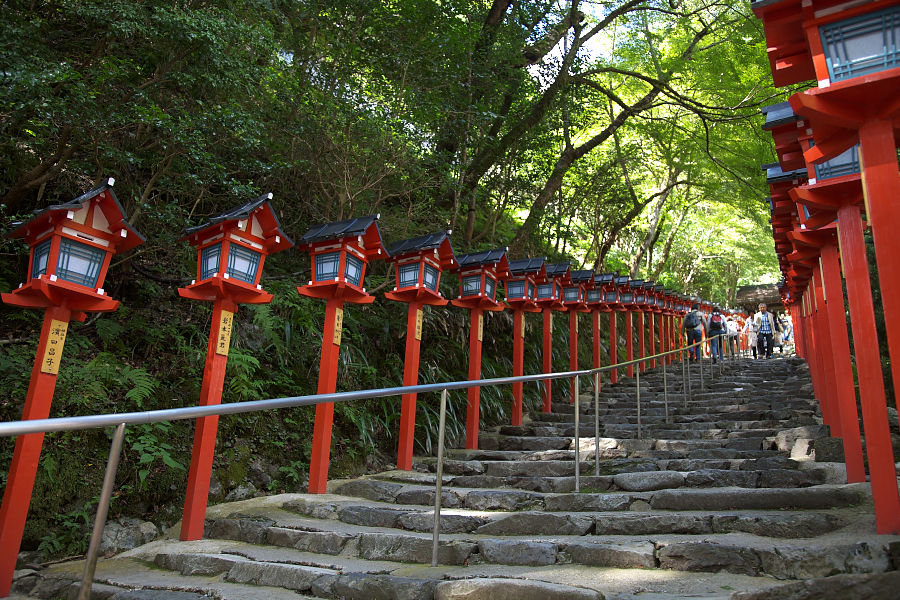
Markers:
<point>510,589</point>
<point>292,577</point>
<point>195,563</point>
<point>406,548</point>
<point>516,552</point>
<point>789,526</point>
<point>311,508</point>
<point>537,523</point>
<point>750,499</point>
<point>357,586</point>
<point>463,467</point>
<point>696,465</point>
<point>846,587</point>
<point>705,478</point>
<point>637,555</point>
<point>706,557</point>
<point>426,498</point>
<point>534,443</point>
<point>789,478</point>
<point>371,517</point>
<point>829,450</point>
<point>785,439</point>
<point>476,481</point>
<point>810,562</point>
<point>714,453</point>
<point>251,530</point>
<point>771,462</point>
<point>320,542</point>
<point>652,524</point>
<point>499,500</point>
<point>449,523</point>
<point>649,481</point>
<point>530,469</point>
<point>377,491</point>
<point>586,502</point>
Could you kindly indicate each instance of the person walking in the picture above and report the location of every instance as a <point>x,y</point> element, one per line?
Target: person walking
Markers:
<point>750,331</point>
<point>766,326</point>
<point>733,330</point>
<point>694,324</point>
<point>716,329</point>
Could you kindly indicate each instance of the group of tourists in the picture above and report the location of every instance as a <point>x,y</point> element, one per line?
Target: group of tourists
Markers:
<point>765,331</point>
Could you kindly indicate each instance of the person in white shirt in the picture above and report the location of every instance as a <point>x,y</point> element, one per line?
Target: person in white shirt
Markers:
<point>766,326</point>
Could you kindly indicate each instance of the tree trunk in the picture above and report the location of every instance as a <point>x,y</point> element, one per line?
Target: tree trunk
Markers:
<point>654,222</point>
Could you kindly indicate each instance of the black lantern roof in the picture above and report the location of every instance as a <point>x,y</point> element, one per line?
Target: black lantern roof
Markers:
<point>431,241</point>
<point>525,266</point>
<point>774,173</point>
<point>648,285</point>
<point>238,213</point>
<point>18,229</point>
<point>779,114</point>
<point>604,278</point>
<point>477,259</point>
<point>636,284</point>
<point>582,276</point>
<point>621,279</point>
<point>659,288</point>
<point>340,229</point>
<point>558,269</point>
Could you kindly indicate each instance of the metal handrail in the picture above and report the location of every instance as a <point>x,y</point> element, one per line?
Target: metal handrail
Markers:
<point>120,421</point>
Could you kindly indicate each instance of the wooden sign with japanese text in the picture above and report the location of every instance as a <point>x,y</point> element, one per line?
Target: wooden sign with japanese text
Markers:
<point>223,342</point>
<point>480,328</point>
<point>55,343</point>
<point>522,333</point>
<point>419,317</point>
<point>338,325</point>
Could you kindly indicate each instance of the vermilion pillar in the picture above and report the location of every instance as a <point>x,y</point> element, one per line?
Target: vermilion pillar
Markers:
<point>27,452</point>
<point>613,347</point>
<point>204,449</point>
<point>328,366</point>
<point>629,343</point>
<point>881,186</point>
<point>845,390</point>
<point>410,378</point>
<point>830,388</point>
<point>595,332</point>
<point>548,356</point>
<point>473,394</point>
<point>641,349</point>
<point>518,363</point>
<point>871,383</point>
<point>653,341</point>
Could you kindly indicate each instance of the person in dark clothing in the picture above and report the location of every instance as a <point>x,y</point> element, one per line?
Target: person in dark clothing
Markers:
<point>766,326</point>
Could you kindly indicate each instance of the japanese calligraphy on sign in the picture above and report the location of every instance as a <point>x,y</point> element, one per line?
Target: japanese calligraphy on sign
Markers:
<point>480,328</point>
<point>419,324</point>
<point>53,351</point>
<point>576,324</point>
<point>551,322</point>
<point>223,342</point>
<point>522,332</point>
<point>338,325</point>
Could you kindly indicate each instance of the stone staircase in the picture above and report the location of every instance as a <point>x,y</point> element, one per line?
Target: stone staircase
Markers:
<point>715,497</point>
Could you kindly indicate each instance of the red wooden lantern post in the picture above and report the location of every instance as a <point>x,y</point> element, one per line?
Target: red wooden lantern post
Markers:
<point>622,289</point>
<point>524,275</point>
<point>418,265</point>
<point>231,251</point>
<point>478,275</point>
<point>574,300</point>
<point>642,303</point>
<point>599,298</point>
<point>549,298</point>
<point>628,303</point>
<point>71,248</point>
<point>340,252</point>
